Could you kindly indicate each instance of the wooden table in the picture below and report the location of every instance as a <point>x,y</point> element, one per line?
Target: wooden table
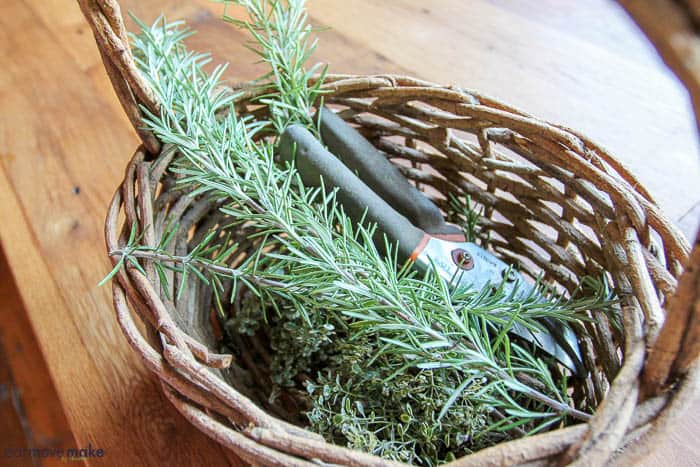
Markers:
<point>64,142</point>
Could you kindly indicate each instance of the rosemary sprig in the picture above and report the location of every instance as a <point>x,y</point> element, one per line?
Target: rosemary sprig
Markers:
<point>282,38</point>
<point>317,260</point>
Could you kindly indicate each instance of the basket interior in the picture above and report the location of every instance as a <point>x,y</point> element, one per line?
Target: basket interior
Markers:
<point>552,202</point>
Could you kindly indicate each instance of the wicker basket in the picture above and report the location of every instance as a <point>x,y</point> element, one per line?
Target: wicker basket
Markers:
<point>526,173</point>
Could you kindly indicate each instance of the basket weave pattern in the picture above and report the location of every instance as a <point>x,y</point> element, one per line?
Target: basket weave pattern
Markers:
<point>554,202</point>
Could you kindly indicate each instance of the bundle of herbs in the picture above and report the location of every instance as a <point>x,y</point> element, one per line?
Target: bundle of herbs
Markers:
<point>381,358</point>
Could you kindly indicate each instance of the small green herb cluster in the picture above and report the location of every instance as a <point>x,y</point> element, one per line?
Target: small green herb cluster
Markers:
<point>362,401</point>
<point>298,347</point>
<point>394,363</point>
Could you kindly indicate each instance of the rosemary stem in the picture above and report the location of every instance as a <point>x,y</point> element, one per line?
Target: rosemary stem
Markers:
<point>216,268</point>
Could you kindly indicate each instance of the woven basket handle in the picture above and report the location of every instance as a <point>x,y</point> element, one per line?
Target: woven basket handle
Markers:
<point>675,38</point>
<point>672,26</point>
<point>105,19</point>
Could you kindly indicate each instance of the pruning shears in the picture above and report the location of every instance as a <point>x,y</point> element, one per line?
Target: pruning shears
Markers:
<point>380,194</point>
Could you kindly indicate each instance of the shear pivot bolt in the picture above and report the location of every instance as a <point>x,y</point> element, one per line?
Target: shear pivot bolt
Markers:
<point>462,259</point>
<point>508,275</point>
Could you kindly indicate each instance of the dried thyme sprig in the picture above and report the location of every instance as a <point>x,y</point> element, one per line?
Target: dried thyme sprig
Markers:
<point>322,261</point>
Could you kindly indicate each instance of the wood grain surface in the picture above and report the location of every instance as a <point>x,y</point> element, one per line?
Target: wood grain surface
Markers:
<point>32,416</point>
<point>64,142</point>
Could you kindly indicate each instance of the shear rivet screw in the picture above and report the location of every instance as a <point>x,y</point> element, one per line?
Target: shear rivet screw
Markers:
<point>462,259</point>
<point>508,275</point>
